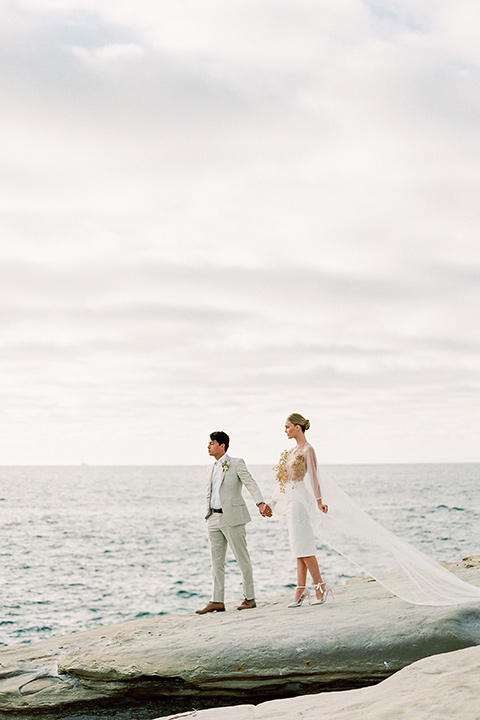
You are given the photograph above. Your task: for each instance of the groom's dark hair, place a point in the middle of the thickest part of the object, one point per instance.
(221, 437)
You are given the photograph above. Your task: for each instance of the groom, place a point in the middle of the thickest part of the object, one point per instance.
(226, 517)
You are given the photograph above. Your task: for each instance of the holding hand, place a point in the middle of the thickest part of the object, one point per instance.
(322, 506)
(265, 510)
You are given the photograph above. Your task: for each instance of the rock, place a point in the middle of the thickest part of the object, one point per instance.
(364, 635)
(468, 562)
(441, 687)
(359, 579)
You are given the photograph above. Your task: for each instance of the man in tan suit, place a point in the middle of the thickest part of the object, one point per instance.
(226, 516)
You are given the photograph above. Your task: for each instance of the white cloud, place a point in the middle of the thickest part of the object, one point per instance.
(210, 210)
(112, 53)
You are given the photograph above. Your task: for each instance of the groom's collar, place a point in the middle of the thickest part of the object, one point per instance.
(222, 459)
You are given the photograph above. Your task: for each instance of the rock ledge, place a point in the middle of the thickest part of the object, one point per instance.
(364, 635)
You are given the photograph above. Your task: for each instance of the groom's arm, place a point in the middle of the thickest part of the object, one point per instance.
(251, 485)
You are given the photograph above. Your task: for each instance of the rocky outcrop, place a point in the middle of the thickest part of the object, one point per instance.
(362, 636)
(442, 687)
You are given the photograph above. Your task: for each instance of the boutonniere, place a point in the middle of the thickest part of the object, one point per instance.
(225, 465)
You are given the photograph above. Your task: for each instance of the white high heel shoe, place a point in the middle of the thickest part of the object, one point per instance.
(304, 596)
(326, 589)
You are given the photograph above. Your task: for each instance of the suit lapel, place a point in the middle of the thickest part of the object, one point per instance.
(227, 459)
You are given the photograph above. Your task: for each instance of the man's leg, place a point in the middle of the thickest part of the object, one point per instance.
(237, 539)
(218, 550)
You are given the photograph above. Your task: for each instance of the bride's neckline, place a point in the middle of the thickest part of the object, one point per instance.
(297, 447)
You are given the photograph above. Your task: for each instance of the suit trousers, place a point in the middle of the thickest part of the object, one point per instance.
(220, 535)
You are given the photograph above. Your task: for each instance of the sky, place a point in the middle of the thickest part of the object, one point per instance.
(214, 214)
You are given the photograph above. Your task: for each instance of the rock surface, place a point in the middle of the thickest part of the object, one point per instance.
(362, 636)
(442, 687)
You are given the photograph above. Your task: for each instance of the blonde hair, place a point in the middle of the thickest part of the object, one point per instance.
(297, 419)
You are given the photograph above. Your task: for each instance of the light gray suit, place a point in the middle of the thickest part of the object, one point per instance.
(228, 527)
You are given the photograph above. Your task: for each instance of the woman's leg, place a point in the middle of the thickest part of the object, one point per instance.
(301, 577)
(311, 564)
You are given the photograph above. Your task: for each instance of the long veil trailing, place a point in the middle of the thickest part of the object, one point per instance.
(351, 532)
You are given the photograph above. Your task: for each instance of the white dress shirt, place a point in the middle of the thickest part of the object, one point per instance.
(217, 475)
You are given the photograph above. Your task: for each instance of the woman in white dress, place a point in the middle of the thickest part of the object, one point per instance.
(343, 526)
(298, 495)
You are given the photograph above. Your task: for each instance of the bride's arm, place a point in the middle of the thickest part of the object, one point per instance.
(275, 497)
(312, 470)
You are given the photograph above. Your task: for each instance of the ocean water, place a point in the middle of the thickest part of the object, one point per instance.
(87, 546)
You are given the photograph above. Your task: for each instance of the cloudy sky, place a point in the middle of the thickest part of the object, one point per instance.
(214, 213)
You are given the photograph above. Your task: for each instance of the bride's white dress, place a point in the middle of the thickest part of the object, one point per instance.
(350, 531)
(297, 498)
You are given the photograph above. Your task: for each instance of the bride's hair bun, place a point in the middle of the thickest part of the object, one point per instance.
(297, 419)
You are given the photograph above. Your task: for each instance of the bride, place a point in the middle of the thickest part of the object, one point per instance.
(319, 508)
(300, 503)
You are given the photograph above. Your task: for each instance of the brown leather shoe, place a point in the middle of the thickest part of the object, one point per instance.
(211, 607)
(247, 604)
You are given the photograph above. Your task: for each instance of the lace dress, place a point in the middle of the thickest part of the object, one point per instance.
(295, 495)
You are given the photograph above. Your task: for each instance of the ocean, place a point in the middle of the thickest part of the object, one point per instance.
(93, 545)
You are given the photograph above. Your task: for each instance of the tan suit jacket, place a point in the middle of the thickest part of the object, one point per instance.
(235, 511)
